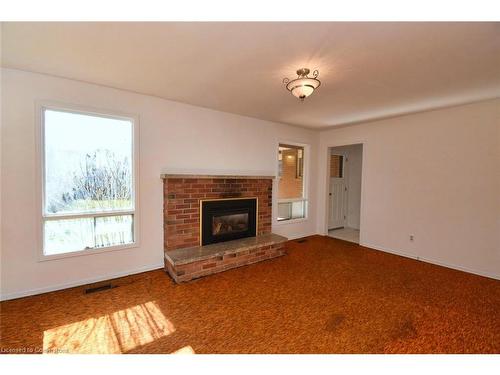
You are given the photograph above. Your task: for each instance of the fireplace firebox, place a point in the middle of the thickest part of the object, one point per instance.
(227, 219)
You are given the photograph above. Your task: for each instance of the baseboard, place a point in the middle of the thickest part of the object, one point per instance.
(9, 296)
(53, 288)
(433, 261)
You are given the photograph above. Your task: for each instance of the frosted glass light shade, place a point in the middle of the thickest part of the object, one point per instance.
(303, 87)
(302, 91)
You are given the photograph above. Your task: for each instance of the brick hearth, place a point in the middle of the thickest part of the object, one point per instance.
(189, 264)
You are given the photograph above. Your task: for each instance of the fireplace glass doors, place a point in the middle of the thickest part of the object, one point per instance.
(228, 219)
(231, 223)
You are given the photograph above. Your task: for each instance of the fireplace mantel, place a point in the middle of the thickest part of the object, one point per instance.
(165, 176)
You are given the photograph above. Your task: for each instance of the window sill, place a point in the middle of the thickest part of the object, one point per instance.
(44, 258)
(290, 221)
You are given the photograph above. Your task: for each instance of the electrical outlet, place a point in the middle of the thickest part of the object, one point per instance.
(412, 237)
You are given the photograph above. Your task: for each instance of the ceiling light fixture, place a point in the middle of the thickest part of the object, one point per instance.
(302, 86)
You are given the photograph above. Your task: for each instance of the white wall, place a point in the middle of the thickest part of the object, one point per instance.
(435, 175)
(173, 137)
(352, 173)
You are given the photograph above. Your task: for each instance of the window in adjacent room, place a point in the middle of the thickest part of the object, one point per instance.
(88, 182)
(337, 166)
(292, 203)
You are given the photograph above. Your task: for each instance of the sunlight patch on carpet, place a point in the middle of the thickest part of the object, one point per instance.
(117, 332)
(185, 350)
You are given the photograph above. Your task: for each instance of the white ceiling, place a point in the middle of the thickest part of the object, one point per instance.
(368, 70)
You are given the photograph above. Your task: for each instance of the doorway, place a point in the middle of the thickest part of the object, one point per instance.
(344, 194)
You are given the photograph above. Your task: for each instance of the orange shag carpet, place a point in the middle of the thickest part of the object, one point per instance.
(325, 296)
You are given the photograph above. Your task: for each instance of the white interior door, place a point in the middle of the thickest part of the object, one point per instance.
(338, 198)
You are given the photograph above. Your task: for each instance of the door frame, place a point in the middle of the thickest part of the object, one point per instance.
(326, 183)
(345, 178)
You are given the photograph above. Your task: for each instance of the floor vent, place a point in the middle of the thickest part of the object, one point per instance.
(301, 241)
(99, 288)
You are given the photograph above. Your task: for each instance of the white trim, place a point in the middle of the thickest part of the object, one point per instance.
(53, 288)
(326, 181)
(432, 261)
(305, 183)
(291, 221)
(97, 250)
(291, 200)
(67, 216)
(345, 181)
(40, 107)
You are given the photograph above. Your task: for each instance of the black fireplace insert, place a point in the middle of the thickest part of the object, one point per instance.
(228, 219)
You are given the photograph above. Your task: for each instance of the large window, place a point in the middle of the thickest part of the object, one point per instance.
(292, 202)
(88, 181)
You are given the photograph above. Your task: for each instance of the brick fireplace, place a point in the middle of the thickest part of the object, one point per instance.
(187, 197)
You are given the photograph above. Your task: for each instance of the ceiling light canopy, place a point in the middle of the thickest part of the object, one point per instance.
(302, 86)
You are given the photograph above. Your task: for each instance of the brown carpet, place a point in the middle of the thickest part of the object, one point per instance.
(325, 296)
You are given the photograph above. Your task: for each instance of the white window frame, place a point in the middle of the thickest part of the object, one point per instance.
(305, 182)
(41, 107)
